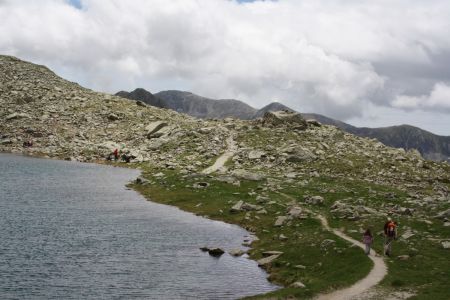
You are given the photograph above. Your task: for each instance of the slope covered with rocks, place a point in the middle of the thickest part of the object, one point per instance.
(431, 146)
(279, 171)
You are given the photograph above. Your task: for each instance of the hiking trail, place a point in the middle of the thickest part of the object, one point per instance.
(377, 273)
(221, 160)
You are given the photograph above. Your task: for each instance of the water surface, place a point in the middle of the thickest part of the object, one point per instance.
(73, 231)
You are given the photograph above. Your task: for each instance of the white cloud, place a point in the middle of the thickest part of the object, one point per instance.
(438, 100)
(321, 56)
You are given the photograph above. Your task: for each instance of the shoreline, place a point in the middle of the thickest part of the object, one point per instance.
(132, 182)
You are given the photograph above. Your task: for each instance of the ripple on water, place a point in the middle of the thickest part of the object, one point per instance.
(72, 231)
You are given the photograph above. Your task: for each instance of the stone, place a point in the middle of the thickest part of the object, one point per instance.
(280, 221)
(314, 122)
(17, 116)
(301, 267)
(277, 118)
(141, 180)
(445, 244)
(216, 252)
(407, 235)
(154, 127)
(200, 185)
(301, 155)
(113, 117)
(237, 207)
(270, 253)
(256, 154)
(443, 214)
(282, 237)
(236, 252)
(314, 200)
(267, 260)
(244, 174)
(250, 207)
(326, 243)
(295, 211)
(6, 142)
(403, 257)
(298, 285)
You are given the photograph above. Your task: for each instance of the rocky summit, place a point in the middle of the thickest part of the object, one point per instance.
(270, 175)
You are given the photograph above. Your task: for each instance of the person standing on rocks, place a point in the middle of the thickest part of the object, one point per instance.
(367, 240)
(390, 234)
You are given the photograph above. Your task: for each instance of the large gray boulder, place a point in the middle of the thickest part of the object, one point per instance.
(284, 117)
(154, 127)
(244, 174)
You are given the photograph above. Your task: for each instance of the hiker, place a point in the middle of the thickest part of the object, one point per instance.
(367, 240)
(390, 234)
(116, 154)
(126, 158)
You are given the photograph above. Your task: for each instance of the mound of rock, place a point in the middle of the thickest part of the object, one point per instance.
(284, 117)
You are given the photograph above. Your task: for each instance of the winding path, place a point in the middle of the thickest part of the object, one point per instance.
(221, 160)
(377, 273)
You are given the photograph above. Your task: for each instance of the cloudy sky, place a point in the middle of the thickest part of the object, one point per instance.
(369, 63)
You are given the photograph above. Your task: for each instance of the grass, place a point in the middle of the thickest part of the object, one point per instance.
(328, 268)
(426, 272)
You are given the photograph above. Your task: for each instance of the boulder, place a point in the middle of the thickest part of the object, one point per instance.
(267, 260)
(284, 117)
(443, 214)
(298, 285)
(141, 180)
(270, 253)
(298, 154)
(403, 257)
(244, 174)
(314, 200)
(295, 211)
(17, 116)
(113, 117)
(200, 185)
(236, 252)
(154, 127)
(250, 207)
(237, 207)
(280, 221)
(445, 244)
(256, 154)
(216, 252)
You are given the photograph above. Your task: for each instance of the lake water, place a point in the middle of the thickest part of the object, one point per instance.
(73, 231)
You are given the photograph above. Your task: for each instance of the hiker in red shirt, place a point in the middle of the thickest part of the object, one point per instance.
(390, 234)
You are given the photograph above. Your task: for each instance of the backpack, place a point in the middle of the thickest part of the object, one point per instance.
(391, 229)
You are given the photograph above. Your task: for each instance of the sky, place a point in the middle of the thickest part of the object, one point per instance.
(367, 63)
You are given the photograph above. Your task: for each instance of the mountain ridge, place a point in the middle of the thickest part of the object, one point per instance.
(430, 145)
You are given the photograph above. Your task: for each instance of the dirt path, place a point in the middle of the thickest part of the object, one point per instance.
(377, 273)
(219, 163)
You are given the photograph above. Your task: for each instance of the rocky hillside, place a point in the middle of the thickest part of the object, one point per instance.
(431, 146)
(353, 181)
(65, 120)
